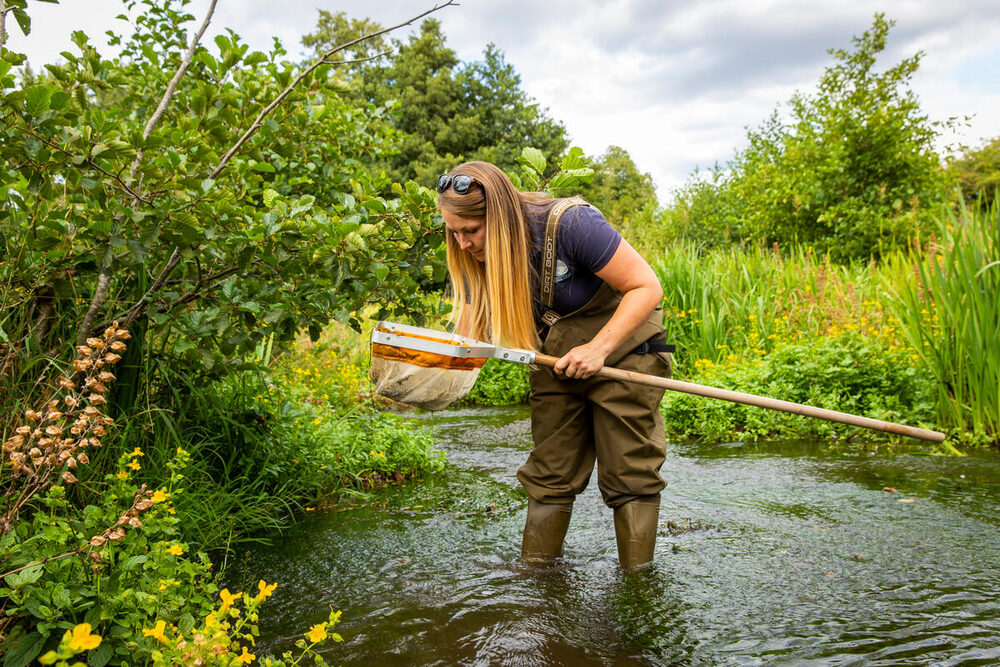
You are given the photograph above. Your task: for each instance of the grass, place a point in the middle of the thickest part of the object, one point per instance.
(948, 303)
(934, 311)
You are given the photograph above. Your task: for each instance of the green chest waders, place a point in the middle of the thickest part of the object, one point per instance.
(576, 423)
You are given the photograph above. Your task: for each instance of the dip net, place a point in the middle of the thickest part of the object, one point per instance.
(423, 379)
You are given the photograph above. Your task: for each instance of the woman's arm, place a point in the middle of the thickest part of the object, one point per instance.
(631, 275)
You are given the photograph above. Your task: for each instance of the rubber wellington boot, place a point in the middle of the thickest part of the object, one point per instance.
(635, 532)
(544, 530)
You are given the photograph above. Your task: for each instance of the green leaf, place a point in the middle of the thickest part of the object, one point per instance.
(23, 20)
(100, 656)
(134, 562)
(533, 158)
(185, 623)
(137, 249)
(574, 159)
(23, 650)
(269, 197)
(36, 99)
(263, 166)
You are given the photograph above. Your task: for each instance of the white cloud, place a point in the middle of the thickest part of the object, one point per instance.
(674, 83)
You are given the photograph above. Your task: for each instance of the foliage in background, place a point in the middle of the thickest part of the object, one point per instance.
(849, 372)
(210, 230)
(934, 311)
(978, 173)
(447, 111)
(852, 172)
(625, 196)
(731, 299)
(948, 303)
(500, 383)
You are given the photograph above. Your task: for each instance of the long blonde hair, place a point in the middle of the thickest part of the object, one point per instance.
(492, 299)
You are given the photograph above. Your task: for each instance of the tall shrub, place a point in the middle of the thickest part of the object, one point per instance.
(852, 171)
(209, 197)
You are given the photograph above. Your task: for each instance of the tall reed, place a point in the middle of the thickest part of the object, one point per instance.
(948, 303)
(731, 300)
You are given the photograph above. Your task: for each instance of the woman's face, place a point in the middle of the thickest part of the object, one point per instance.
(469, 233)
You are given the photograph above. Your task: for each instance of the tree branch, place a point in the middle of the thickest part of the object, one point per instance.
(140, 305)
(105, 276)
(103, 280)
(3, 22)
(172, 86)
(306, 72)
(358, 60)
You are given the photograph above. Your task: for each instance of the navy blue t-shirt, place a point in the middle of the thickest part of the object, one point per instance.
(585, 243)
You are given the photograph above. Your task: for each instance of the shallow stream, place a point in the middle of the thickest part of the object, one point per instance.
(775, 553)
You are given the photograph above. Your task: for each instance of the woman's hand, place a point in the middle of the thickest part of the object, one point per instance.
(581, 362)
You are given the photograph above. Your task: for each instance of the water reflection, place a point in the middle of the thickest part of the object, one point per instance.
(770, 554)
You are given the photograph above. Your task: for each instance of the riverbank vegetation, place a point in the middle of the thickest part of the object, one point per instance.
(194, 235)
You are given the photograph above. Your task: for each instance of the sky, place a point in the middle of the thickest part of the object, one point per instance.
(674, 82)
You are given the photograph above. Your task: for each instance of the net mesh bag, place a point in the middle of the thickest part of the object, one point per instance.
(423, 379)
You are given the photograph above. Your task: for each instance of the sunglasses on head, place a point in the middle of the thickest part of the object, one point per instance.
(460, 183)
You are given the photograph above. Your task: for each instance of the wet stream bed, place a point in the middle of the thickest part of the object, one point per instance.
(776, 553)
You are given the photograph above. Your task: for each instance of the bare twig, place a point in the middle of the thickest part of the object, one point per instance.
(3, 21)
(172, 86)
(140, 305)
(358, 60)
(309, 70)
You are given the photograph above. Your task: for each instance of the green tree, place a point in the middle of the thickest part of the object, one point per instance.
(978, 172)
(159, 189)
(335, 29)
(853, 171)
(446, 110)
(619, 189)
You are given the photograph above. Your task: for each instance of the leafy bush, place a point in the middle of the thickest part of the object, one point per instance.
(500, 383)
(978, 173)
(849, 372)
(853, 172)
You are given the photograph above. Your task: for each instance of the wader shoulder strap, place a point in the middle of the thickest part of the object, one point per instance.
(548, 286)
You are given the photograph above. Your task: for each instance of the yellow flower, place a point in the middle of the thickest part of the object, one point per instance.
(171, 510)
(156, 631)
(121, 475)
(246, 658)
(317, 633)
(175, 549)
(80, 639)
(210, 621)
(159, 496)
(265, 589)
(136, 452)
(134, 465)
(227, 600)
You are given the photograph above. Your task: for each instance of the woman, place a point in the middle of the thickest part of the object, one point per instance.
(539, 273)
